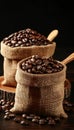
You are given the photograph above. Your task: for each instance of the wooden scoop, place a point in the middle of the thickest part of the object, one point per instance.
(52, 35)
(68, 59)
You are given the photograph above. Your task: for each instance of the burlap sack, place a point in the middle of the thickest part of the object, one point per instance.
(13, 55)
(40, 93)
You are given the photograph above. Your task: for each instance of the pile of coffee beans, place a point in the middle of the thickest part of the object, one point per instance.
(38, 65)
(26, 119)
(26, 37)
(5, 105)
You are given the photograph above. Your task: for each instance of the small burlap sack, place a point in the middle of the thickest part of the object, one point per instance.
(40, 93)
(13, 55)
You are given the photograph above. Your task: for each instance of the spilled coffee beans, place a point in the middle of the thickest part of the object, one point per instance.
(26, 119)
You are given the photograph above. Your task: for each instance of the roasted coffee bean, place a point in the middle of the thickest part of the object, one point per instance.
(32, 60)
(13, 41)
(27, 37)
(7, 112)
(29, 117)
(57, 119)
(6, 117)
(69, 104)
(25, 123)
(68, 107)
(36, 117)
(35, 56)
(3, 103)
(48, 118)
(9, 44)
(24, 115)
(38, 65)
(32, 115)
(27, 66)
(65, 102)
(38, 62)
(51, 122)
(33, 70)
(17, 119)
(12, 104)
(4, 107)
(35, 120)
(11, 115)
(24, 40)
(29, 71)
(42, 121)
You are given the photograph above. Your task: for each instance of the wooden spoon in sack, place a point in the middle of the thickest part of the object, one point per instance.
(68, 59)
(52, 35)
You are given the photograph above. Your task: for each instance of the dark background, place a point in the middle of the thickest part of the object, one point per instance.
(43, 16)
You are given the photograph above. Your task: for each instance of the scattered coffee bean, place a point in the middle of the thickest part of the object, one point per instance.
(6, 117)
(11, 115)
(42, 121)
(2, 101)
(17, 119)
(7, 112)
(24, 115)
(23, 122)
(11, 104)
(48, 118)
(29, 117)
(69, 104)
(35, 120)
(38, 65)
(68, 107)
(36, 117)
(26, 37)
(25, 119)
(51, 122)
(57, 119)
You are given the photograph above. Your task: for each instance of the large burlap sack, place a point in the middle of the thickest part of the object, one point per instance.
(40, 93)
(13, 55)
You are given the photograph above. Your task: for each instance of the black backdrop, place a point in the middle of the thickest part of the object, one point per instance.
(42, 15)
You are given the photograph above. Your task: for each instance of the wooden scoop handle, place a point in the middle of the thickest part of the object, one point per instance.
(52, 35)
(68, 59)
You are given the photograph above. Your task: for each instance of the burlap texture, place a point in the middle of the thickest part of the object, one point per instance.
(9, 72)
(40, 93)
(23, 52)
(13, 55)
